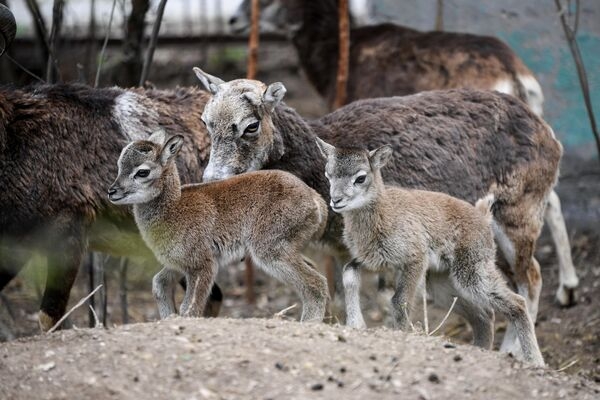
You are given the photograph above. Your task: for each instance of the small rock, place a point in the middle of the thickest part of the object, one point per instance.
(280, 366)
(449, 345)
(433, 378)
(373, 357)
(342, 370)
(341, 339)
(317, 386)
(47, 366)
(457, 358)
(340, 384)
(136, 379)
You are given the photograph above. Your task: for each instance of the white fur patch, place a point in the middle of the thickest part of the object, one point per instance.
(504, 86)
(129, 114)
(535, 96)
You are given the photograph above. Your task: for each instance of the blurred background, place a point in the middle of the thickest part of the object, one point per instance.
(196, 33)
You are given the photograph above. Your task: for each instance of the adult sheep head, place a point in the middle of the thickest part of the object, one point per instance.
(239, 121)
(8, 28)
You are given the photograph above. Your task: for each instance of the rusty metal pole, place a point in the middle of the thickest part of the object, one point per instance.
(251, 74)
(253, 41)
(343, 54)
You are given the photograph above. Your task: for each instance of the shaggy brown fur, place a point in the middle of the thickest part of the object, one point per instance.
(58, 150)
(194, 229)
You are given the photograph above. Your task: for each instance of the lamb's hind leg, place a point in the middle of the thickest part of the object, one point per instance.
(294, 270)
(567, 275)
(514, 308)
(164, 284)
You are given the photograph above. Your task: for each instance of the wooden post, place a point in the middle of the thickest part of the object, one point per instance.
(251, 74)
(253, 41)
(439, 18)
(343, 54)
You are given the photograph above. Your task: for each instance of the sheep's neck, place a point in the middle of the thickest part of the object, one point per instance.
(169, 196)
(317, 44)
(368, 216)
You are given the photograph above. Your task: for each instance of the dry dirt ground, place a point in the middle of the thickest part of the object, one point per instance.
(266, 359)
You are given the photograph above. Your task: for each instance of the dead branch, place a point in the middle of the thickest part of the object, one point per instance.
(570, 34)
(343, 54)
(40, 27)
(57, 18)
(439, 18)
(101, 58)
(123, 289)
(153, 39)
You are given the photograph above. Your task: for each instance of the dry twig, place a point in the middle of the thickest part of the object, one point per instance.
(101, 58)
(153, 39)
(76, 306)
(445, 316)
(282, 313)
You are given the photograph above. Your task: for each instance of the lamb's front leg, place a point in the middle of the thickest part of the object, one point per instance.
(407, 281)
(351, 279)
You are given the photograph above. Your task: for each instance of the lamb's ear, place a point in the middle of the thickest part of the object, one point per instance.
(171, 148)
(379, 157)
(325, 148)
(211, 83)
(159, 137)
(273, 95)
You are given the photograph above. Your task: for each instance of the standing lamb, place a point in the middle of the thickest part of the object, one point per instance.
(415, 233)
(392, 60)
(194, 229)
(459, 142)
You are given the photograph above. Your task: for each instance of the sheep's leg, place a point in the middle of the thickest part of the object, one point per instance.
(64, 260)
(407, 281)
(568, 280)
(213, 305)
(199, 284)
(164, 284)
(11, 262)
(480, 317)
(351, 279)
(296, 271)
(514, 308)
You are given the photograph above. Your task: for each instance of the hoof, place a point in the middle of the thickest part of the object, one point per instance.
(45, 321)
(566, 296)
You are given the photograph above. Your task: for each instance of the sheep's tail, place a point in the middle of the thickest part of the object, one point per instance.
(484, 206)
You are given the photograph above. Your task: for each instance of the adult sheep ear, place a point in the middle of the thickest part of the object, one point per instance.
(171, 148)
(273, 95)
(379, 157)
(159, 137)
(325, 148)
(211, 83)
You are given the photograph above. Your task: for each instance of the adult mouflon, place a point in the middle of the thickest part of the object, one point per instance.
(194, 229)
(415, 233)
(459, 142)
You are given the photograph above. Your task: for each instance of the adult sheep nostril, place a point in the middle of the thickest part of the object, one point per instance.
(111, 192)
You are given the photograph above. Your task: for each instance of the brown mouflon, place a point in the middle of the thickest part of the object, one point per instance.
(194, 229)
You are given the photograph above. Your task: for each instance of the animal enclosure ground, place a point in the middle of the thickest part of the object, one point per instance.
(266, 359)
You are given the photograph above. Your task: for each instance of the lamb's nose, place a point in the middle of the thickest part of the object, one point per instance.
(112, 191)
(232, 20)
(336, 200)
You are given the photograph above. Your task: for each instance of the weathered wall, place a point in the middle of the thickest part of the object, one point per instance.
(533, 30)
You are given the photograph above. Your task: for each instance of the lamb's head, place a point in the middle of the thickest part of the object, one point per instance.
(354, 175)
(238, 118)
(143, 165)
(275, 16)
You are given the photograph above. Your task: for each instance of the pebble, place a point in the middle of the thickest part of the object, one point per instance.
(433, 378)
(317, 386)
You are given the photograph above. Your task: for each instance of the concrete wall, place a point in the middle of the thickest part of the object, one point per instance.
(532, 28)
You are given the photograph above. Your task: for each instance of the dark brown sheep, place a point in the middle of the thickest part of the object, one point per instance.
(59, 146)
(392, 60)
(462, 142)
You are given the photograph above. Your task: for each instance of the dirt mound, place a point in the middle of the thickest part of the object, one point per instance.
(266, 359)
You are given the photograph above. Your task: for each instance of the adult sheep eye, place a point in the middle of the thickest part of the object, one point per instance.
(360, 179)
(142, 173)
(252, 127)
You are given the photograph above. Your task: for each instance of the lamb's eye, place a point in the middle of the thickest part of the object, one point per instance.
(252, 127)
(142, 173)
(359, 180)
